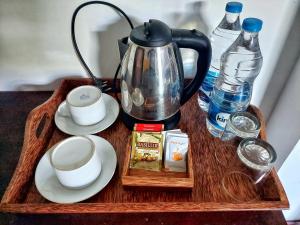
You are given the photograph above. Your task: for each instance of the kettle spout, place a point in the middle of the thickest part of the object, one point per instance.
(123, 46)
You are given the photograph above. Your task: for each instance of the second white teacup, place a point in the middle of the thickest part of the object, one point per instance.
(76, 162)
(86, 105)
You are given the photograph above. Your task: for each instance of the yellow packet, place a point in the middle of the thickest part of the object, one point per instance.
(146, 152)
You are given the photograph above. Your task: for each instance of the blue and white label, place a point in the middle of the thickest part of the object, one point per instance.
(221, 119)
(207, 93)
(217, 117)
(208, 84)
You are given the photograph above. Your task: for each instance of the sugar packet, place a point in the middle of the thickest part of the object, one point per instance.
(175, 151)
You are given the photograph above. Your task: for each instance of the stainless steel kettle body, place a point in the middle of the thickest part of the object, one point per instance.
(151, 83)
(152, 79)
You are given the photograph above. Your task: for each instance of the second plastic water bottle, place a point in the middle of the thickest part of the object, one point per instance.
(240, 65)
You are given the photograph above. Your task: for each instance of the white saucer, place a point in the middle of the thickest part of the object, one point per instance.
(50, 188)
(67, 125)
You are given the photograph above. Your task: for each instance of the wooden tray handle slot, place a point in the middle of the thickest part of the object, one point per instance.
(43, 126)
(38, 130)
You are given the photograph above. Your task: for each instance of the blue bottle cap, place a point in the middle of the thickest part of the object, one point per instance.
(234, 7)
(252, 24)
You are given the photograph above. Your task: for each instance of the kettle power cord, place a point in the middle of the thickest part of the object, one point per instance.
(97, 82)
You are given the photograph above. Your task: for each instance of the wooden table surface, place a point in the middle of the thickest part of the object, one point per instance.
(14, 108)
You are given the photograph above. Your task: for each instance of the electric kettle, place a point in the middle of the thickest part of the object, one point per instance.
(152, 78)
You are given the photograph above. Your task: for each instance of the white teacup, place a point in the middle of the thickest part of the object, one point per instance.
(86, 105)
(76, 162)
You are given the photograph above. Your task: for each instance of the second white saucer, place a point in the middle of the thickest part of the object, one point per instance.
(50, 188)
(67, 125)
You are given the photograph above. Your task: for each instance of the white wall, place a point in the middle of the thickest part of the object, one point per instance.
(291, 184)
(284, 124)
(284, 67)
(36, 50)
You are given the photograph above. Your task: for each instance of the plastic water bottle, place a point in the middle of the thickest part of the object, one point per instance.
(222, 37)
(240, 65)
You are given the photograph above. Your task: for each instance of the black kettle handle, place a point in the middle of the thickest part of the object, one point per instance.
(198, 41)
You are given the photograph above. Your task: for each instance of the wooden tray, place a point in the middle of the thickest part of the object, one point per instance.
(21, 195)
(152, 180)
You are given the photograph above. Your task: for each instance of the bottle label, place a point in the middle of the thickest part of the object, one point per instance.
(217, 117)
(206, 93)
(208, 83)
(221, 119)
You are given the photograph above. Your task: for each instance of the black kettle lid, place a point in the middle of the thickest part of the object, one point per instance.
(152, 34)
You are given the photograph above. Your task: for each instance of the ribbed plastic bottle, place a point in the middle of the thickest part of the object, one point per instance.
(240, 65)
(221, 38)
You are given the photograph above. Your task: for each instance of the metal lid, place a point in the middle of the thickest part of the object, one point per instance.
(152, 34)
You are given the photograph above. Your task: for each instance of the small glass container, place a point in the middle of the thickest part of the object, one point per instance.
(239, 126)
(258, 156)
(242, 125)
(255, 159)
